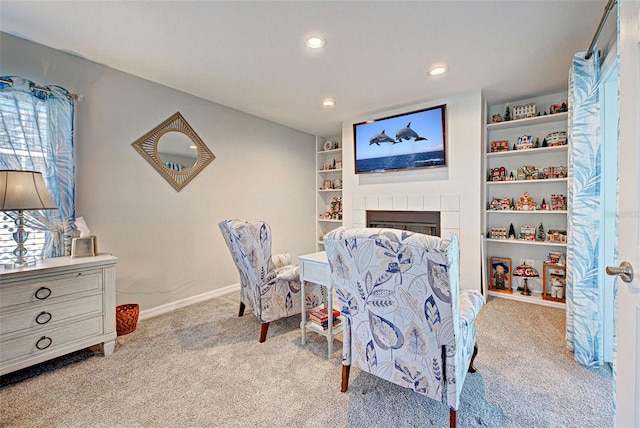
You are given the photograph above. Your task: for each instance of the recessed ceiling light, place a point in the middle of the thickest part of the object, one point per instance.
(315, 42)
(328, 103)
(437, 71)
(192, 147)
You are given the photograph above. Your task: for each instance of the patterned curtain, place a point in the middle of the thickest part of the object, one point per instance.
(36, 134)
(584, 293)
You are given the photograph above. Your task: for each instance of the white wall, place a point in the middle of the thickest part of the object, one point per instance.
(454, 190)
(168, 243)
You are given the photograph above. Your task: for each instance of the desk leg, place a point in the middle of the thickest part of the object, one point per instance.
(303, 312)
(330, 320)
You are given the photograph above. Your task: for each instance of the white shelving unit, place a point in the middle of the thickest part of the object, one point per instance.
(328, 185)
(518, 250)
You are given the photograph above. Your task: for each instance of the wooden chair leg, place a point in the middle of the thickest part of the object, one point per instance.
(241, 310)
(472, 369)
(263, 331)
(452, 418)
(345, 378)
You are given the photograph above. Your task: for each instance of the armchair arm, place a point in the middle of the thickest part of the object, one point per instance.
(471, 302)
(280, 260)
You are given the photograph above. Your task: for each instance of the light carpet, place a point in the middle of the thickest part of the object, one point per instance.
(202, 366)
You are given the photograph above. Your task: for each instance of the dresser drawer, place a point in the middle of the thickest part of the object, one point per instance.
(48, 288)
(49, 340)
(42, 316)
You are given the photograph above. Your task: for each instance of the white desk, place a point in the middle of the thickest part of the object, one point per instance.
(314, 268)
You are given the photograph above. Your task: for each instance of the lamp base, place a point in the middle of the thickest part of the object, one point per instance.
(526, 291)
(18, 265)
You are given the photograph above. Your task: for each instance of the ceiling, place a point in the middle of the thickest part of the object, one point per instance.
(251, 55)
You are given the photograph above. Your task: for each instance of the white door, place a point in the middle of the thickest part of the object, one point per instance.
(628, 356)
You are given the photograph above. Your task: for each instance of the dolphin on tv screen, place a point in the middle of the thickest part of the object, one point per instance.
(381, 138)
(407, 133)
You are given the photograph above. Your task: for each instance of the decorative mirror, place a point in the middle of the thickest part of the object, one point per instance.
(174, 149)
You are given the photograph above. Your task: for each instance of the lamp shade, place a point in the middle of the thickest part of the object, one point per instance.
(525, 271)
(24, 190)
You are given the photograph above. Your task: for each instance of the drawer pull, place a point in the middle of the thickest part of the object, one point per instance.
(42, 293)
(46, 340)
(42, 317)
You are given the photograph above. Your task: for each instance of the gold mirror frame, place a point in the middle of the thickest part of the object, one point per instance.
(147, 146)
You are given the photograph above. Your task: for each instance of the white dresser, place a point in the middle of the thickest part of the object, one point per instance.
(58, 306)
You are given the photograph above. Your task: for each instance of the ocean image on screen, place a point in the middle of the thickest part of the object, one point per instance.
(407, 141)
(410, 161)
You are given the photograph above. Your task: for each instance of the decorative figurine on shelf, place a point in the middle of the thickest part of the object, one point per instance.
(543, 205)
(507, 114)
(524, 142)
(544, 143)
(541, 236)
(557, 287)
(500, 204)
(499, 146)
(537, 143)
(497, 118)
(500, 275)
(498, 233)
(526, 203)
(512, 232)
(528, 233)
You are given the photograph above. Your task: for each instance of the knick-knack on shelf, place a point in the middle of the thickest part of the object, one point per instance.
(507, 114)
(512, 232)
(537, 143)
(544, 143)
(541, 236)
(543, 205)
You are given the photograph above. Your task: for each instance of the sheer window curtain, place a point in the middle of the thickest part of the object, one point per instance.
(36, 134)
(585, 298)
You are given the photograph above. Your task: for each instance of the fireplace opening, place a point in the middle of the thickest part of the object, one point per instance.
(425, 222)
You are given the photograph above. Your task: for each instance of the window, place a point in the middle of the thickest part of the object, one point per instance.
(20, 128)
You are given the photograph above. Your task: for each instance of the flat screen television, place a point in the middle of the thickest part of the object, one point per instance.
(405, 141)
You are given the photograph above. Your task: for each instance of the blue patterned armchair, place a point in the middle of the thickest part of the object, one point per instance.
(405, 318)
(269, 285)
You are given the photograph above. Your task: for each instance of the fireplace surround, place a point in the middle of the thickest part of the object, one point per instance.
(426, 222)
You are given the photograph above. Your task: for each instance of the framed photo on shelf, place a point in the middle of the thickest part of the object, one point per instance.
(554, 282)
(500, 274)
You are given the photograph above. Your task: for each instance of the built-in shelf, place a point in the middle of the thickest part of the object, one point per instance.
(538, 120)
(516, 252)
(537, 151)
(539, 181)
(523, 242)
(526, 212)
(535, 298)
(328, 186)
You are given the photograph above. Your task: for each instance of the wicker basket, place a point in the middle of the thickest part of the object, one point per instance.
(127, 318)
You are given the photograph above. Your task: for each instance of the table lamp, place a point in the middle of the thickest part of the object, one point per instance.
(526, 272)
(20, 191)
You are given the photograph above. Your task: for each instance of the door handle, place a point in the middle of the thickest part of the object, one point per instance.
(625, 271)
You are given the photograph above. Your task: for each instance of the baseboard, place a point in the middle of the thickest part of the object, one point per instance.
(163, 309)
